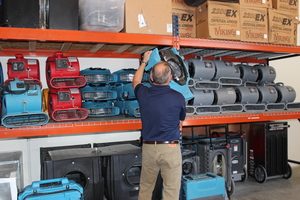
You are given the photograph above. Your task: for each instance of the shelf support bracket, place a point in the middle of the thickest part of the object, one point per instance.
(96, 48)
(66, 46)
(32, 46)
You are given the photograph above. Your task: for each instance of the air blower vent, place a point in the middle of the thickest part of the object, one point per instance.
(65, 105)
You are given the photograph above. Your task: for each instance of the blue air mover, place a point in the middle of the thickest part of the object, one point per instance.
(98, 93)
(204, 186)
(97, 76)
(52, 189)
(125, 91)
(178, 67)
(22, 104)
(101, 109)
(124, 75)
(130, 108)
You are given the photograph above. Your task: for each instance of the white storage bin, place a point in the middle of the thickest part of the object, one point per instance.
(100, 15)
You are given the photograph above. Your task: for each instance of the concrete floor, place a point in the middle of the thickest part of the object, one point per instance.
(272, 189)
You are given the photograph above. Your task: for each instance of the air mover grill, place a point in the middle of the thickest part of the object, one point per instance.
(63, 72)
(98, 93)
(101, 109)
(97, 76)
(65, 105)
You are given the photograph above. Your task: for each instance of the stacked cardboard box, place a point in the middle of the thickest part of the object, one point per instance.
(186, 18)
(218, 20)
(283, 23)
(254, 20)
(254, 24)
(148, 17)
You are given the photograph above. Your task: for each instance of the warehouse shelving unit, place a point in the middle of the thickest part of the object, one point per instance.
(42, 42)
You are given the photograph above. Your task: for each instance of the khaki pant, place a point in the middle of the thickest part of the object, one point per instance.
(167, 159)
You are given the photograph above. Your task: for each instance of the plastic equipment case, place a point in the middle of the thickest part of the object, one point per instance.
(121, 170)
(204, 186)
(20, 13)
(58, 189)
(268, 153)
(79, 164)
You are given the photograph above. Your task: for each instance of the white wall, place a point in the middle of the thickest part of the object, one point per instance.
(287, 71)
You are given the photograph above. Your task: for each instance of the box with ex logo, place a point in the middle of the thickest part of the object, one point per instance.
(218, 20)
(282, 27)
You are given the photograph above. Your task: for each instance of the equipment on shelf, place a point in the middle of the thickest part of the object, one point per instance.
(63, 72)
(121, 171)
(227, 73)
(65, 105)
(226, 98)
(269, 95)
(81, 165)
(22, 104)
(125, 91)
(96, 76)
(286, 94)
(190, 162)
(201, 69)
(124, 75)
(23, 69)
(203, 186)
(249, 96)
(59, 188)
(62, 14)
(266, 74)
(268, 151)
(248, 73)
(101, 109)
(98, 93)
(129, 107)
(19, 13)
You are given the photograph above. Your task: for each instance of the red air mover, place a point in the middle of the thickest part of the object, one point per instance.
(22, 68)
(63, 72)
(65, 105)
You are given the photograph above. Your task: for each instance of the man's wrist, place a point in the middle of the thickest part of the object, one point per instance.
(144, 62)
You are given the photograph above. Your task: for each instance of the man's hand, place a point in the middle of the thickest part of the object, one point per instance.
(146, 57)
(138, 76)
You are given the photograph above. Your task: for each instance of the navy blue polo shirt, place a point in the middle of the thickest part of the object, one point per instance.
(161, 109)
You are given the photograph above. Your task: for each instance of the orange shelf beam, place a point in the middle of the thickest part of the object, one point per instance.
(28, 34)
(89, 127)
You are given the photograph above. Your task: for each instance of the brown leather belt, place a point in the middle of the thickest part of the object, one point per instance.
(161, 142)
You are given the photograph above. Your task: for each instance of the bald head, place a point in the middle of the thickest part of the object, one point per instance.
(161, 73)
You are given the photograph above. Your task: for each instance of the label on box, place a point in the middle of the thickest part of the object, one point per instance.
(169, 28)
(142, 21)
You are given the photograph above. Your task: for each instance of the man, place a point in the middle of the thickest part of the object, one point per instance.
(162, 112)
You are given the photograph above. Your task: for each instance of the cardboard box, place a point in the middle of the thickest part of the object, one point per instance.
(186, 18)
(254, 24)
(257, 3)
(148, 17)
(218, 20)
(282, 27)
(290, 6)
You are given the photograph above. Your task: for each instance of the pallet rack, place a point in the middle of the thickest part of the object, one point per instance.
(42, 42)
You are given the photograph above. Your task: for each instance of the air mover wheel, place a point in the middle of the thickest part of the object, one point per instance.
(288, 173)
(230, 189)
(260, 174)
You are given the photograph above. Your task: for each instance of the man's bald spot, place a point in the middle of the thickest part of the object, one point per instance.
(161, 73)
